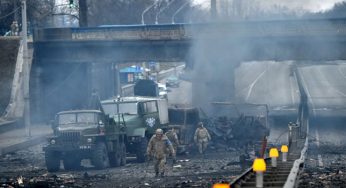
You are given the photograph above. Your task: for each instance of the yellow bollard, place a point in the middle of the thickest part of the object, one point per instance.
(259, 166)
(221, 185)
(274, 154)
(284, 151)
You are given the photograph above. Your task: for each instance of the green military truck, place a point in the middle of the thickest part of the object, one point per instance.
(86, 134)
(142, 115)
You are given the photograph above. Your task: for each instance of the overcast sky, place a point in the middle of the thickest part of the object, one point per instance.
(310, 5)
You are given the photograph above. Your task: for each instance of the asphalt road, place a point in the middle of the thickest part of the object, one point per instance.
(269, 82)
(326, 88)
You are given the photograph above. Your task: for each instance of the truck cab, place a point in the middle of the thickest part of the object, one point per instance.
(142, 116)
(85, 134)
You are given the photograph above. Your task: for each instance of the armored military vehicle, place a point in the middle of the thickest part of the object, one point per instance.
(86, 134)
(142, 115)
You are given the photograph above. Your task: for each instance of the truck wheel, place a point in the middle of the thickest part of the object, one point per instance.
(100, 156)
(71, 163)
(123, 154)
(52, 161)
(142, 150)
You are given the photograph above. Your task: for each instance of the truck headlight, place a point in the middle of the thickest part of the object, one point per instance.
(52, 141)
(89, 140)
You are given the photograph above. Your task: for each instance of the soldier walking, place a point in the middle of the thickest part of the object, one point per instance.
(173, 137)
(157, 147)
(201, 138)
(14, 28)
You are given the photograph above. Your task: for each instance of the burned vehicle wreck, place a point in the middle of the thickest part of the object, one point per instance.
(238, 126)
(85, 134)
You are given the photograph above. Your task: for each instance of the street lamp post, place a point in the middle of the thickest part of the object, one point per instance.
(176, 12)
(146, 10)
(26, 75)
(157, 15)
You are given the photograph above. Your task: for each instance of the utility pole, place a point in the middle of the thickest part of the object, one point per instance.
(213, 9)
(83, 13)
(26, 75)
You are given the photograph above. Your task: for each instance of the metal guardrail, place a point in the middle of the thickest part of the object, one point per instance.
(291, 181)
(295, 171)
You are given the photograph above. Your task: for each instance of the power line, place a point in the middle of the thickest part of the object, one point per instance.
(15, 10)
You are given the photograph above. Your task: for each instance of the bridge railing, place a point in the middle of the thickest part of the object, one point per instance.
(292, 180)
(303, 122)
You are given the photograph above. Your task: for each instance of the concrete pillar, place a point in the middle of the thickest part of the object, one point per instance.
(83, 13)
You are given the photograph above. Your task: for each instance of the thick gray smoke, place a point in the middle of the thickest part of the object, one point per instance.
(219, 50)
(214, 64)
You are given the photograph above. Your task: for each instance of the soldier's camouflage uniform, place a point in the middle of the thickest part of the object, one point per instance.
(173, 137)
(157, 148)
(201, 138)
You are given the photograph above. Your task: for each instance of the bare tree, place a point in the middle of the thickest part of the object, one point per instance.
(37, 12)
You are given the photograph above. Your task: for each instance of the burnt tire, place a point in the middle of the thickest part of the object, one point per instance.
(100, 156)
(141, 149)
(52, 161)
(123, 154)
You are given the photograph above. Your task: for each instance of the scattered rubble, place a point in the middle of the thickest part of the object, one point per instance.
(27, 169)
(190, 170)
(333, 171)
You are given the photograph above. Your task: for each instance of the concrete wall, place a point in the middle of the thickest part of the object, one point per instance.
(8, 56)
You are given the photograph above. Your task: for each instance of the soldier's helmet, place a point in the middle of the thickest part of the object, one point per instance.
(159, 131)
(200, 124)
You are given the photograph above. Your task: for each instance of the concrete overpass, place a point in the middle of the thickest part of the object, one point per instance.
(263, 40)
(69, 62)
